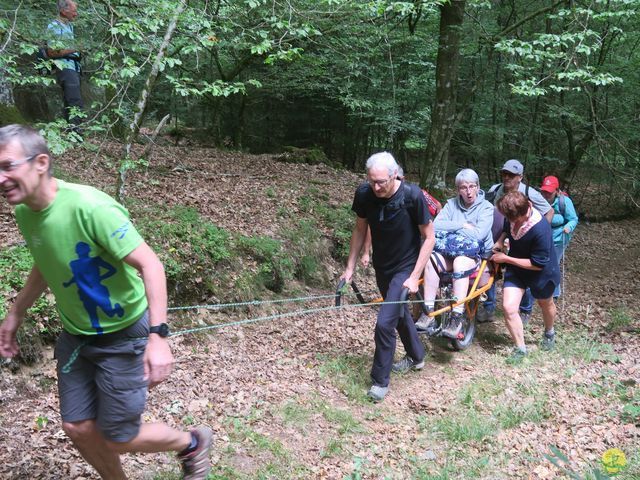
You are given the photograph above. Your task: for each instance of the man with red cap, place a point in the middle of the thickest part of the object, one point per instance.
(565, 218)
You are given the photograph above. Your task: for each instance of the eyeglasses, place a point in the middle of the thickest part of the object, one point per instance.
(380, 183)
(11, 165)
(468, 188)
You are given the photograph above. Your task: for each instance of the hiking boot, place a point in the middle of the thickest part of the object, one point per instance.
(548, 342)
(196, 464)
(516, 357)
(377, 393)
(406, 364)
(425, 323)
(455, 325)
(483, 315)
(525, 317)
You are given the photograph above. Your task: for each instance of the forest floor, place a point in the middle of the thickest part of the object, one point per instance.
(286, 397)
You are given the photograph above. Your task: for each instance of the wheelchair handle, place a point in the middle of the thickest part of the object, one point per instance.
(404, 295)
(339, 288)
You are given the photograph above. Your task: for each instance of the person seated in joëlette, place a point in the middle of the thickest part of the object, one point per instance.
(463, 234)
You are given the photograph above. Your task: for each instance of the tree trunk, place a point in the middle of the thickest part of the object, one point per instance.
(6, 94)
(443, 113)
(141, 106)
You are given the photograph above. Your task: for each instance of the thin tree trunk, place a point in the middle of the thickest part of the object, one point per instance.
(141, 106)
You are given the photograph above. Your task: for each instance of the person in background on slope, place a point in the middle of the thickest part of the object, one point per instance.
(565, 218)
(66, 58)
(111, 295)
(402, 237)
(463, 236)
(512, 173)
(529, 264)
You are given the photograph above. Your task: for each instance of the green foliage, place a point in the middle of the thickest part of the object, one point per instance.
(350, 374)
(9, 115)
(619, 319)
(190, 248)
(561, 461)
(307, 248)
(275, 267)
(41, 324)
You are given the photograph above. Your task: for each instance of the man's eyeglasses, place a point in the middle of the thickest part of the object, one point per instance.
(467, 188)
(379, 183)
(11, 165)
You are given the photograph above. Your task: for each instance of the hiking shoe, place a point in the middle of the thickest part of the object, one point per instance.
(525, 317)
(406, 364)
(516, 357)
(196, 464)
(425, 323)
(455, 325)
(377, 393)
(483, 315)
(548, 342)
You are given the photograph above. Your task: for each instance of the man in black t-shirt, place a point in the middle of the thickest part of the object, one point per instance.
(403, 237)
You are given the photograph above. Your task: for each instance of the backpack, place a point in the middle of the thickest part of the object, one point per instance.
(490, 195)
(434, 205)
(561, 202)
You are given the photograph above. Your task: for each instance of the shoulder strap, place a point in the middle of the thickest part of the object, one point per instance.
(561, 203)
(490, 196)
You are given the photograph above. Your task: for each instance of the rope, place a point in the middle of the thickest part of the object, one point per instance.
(287, 314)
(219, 306)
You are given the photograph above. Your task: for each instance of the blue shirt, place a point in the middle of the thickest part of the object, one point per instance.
(61, 37)
(560, 221)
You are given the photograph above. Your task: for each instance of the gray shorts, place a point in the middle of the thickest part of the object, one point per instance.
(105, 382)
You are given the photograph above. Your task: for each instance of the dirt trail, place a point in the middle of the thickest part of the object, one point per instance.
(286, 397)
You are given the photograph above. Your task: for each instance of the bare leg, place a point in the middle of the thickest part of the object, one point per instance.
(431, 282)
(93, 447)
(154, 437)
(461, 285)
(549, 310)
(511, 297)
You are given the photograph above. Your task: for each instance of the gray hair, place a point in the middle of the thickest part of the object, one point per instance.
(383, 160)
(30, 140)
(63, 4)
(466, 175)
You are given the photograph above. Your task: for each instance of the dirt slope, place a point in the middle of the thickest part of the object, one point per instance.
(286, 396)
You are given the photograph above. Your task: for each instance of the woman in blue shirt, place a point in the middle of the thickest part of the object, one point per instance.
(530, 263)
(565, 218)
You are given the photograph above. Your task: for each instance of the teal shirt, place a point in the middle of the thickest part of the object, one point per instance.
(78, 242)
(559, 222)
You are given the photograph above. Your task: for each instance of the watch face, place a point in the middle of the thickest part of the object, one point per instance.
(162, 330)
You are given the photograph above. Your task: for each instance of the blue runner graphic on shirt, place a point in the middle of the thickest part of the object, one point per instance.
(87, 275)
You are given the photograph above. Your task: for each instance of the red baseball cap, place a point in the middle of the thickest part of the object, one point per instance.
(550, 184)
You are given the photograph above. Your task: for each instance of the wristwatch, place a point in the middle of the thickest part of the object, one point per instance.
(162, 330)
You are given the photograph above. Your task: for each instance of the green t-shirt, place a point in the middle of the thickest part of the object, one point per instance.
(78, 243)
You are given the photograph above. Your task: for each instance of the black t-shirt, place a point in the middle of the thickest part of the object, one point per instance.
(394, 224)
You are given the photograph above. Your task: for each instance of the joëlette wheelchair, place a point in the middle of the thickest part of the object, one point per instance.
(480, 280)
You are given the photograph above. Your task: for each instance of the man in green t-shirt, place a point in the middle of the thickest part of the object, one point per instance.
(110, 291)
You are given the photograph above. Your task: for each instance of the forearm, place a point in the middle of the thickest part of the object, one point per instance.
(357, 241)
(423, 257)
(522, 263)
(147, 263)
(155, 286)
(60, 53)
